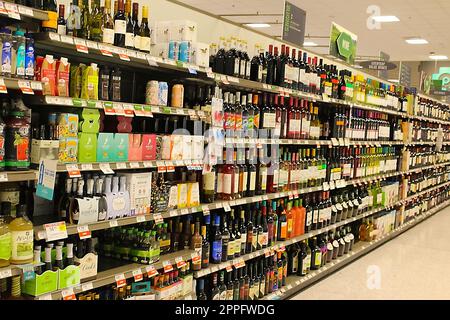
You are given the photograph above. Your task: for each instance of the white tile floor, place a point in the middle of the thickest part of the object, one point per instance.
(415, 265)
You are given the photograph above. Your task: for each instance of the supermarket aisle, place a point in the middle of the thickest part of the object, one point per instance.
(411, 266)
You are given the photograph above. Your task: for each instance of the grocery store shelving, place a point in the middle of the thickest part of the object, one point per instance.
(119, 108)
(127, 165)
(10, 271)
(109, 276)
(19, 12)
(295, 284)
(279, 244)
(333, 142)
(418, 194)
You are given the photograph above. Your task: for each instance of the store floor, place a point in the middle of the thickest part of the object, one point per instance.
(412, 266)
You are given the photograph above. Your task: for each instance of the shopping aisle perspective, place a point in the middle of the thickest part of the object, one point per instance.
(396, 269)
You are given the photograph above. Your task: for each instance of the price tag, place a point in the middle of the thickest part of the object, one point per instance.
(180, 262)
(170, 168)
(26, 11)
(68, 294)
(118, 109)
(226, 207)
(148, 164)
(332, 185)
(81, 45)
(25, 87)
(151, 271)
(296, 194)
(205, 211)
(210, 75)
(120, 280)
(167, 266)
(121, 165)
(151, 61)
(195, 257)
(138, 110)
(334, 142)
(161, 169)
(140, 218)
(13, 12)
(229, 268)
(341, 183)
(66, 39)
(87, 286)
(192, 71)
(83, 232)
(291, 195)
(137, 274)
(179, 111)
(5, 273)
(105, 51)
(134, 165)
(128, 109)
(124, 57)
(3, 86)
(113, 223)
(158, 218)
(3, 177)
(173, 213)
(86, 167)
(73, 171)
(108, 108)
(55, 231)
(105, 168)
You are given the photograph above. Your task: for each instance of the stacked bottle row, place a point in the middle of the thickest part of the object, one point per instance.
(429, 178)
(295, 70)
(429, 108)
(424, 131)
(427, 155)
(426, 202)
(263, 276)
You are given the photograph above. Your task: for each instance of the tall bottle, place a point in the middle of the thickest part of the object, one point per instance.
(136, 34)
(196, 244)
(129, 35)
(96, 32)
(85, 20)
(108, 24)
(144, 31)
(61, 21)
(120, 25)
(216, 254)
(5, 240)
(22, 237)
(50, 25)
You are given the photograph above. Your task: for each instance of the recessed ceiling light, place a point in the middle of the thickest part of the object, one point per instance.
(386, 19)
(309, 44)
(357, 66)
(416, 41)
(258, 25)
(438, 57)
(394, 80)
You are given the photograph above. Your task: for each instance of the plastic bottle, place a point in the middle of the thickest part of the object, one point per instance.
(29, 57)
(17, 140)
(19, 37)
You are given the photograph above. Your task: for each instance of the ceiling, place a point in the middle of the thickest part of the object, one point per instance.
(418, 18)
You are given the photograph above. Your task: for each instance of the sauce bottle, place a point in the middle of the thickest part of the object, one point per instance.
(17, 140)
(22, 237)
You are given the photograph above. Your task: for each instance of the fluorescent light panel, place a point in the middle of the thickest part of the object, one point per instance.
(386, 19)
(394, 80)
(416, 41)
(258, 25)
(309, 44)
(438, 57)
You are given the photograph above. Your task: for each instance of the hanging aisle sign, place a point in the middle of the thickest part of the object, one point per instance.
(343, 43)
(294, 22)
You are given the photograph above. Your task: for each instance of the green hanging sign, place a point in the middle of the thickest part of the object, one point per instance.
(343, 43)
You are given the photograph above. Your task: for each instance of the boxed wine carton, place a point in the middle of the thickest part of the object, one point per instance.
(138, 186)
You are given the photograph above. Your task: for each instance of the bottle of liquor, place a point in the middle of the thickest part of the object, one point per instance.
(225, 239)
(251, 176)
(205, 242)
(249, 233)
(243, 232)
(50, 25)
(256, 68)
(209, 185)
(261, 173)
(136, 28)
(120, 25)
(265, 229)
(215, 291)
(216, 253)
(196, 244)
(201, 290)
(96, 32)
(129, 35)
(219, 59)
(74, 208)
(144, 33)
(229, 291)
(108, 24)
(282, 222)
(270, 66)
(59, 264)
(85, 20)
(48, 259)
(61, 21)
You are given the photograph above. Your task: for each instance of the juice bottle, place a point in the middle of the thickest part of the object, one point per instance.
(17, 141)
(22, 237)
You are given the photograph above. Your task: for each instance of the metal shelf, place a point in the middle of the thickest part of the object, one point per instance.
(125, 108)
(10, 271)
(18, 84)
(16, 176)
(334, 142)
(295, 284)
(108, 277)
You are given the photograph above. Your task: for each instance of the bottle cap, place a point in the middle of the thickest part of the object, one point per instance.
(21, 210)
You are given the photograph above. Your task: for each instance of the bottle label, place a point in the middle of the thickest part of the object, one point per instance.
(283, 230)
(120, 27)
(227, 183)
(223, 295)
(254, 241)
(309, 218)
(244, 180)
(209, 181)
(108, 36)
(229, 295)
(236, 66)
(229, 122)
(216, 296)
(62, 29)
(260, 73)
(294, 262)
(318, 260)
(144, 44)
(5, 246)
(236, 183)
(137, 41)
(217, 251)
(243, 68)
(22, 245)
(263, 177)
(252, 185)
(129, 39)
(238, 121)
(269, 121)
(307, 262)
(262, 239)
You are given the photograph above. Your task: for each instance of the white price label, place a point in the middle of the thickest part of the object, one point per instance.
(87, 286)
(113, 223)
(86, 167)
(106, 168)
(137, 274)
(55, 231)
(121, 165)
(226, 207)
(5, 273)
(148, 164)
(140, 219)
(68, 294)
(66, 39)
(73, 171)
(3, 177)
(120, 280)
(3, 86)
(134, 165)
(84, 232)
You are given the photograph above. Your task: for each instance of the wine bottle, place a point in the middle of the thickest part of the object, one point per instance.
(48, 259)
(120, 25)
(95, 26)
(144, 31)
(74, 208)
(108, 24)
(61, 21)
(59, 260)
(69, 254)
(129, 36)
(136, 36)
